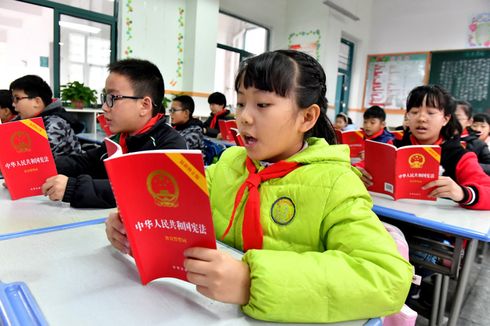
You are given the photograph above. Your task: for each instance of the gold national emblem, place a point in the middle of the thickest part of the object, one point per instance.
(163, 188)
(21, 141)
(283, 211)
(416, 161)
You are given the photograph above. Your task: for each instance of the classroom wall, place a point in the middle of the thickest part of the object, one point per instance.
(419, 25)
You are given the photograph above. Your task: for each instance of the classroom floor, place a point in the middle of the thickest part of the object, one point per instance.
(475, 311)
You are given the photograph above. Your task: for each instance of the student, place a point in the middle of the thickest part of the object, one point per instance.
(217, 104)
(374, 125)
(470, 137)
(481, 125)
(32, 97)
(7, 110)
(313, 247)
(431, 119)
(343, 122)
(181, 110)
(131, 108)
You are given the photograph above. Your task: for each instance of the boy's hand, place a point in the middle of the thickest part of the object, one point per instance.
(445, 187)
(217, 275)
(116, 233)
(366, 178)
(54, 187)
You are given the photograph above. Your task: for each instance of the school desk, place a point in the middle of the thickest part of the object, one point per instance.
(91, 137)
(77, 278)
(39, 214)
(442, 216)
(223, 142)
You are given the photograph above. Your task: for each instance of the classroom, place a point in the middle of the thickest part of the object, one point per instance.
(370, 53)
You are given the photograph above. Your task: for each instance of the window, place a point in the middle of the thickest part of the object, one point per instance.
(344, 75)
(237, 40)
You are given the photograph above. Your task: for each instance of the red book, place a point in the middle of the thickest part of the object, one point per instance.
(225, 129)
(163, 200)
(103, 124)
(236, 137)
(401, 172)
(26, 160)
(353, 138)
(398, 134)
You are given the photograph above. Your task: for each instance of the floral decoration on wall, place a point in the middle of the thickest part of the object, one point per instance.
(479, 31)
(308, 42)
(180, 48)
(129, 27)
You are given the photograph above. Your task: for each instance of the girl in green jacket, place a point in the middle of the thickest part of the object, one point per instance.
(313, 249)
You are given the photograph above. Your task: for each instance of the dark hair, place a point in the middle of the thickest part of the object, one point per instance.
(482, 117)
(33, 86)
(187, 103)
(375, 112)
(6, 100)
(343, 116)
(437, 97)
(145, 79)
(292, 74)
(467, 108)
(217, 98)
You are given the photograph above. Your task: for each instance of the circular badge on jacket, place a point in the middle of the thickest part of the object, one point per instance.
(283, 211)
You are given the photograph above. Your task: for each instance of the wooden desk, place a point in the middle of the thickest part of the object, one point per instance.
(442, 216)
(38, 214)
(77, 278)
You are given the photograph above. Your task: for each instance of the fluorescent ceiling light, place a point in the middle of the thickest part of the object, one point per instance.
(338, 8)
(80, 27)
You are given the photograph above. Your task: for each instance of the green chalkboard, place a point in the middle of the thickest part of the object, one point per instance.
(465, 74)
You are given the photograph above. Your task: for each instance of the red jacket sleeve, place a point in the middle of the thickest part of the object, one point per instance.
(476, 182)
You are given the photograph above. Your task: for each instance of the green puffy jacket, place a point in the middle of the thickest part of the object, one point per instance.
(326, 257)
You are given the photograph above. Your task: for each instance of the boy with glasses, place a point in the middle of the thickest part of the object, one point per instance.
(32, 97)
(132, 105)
(190, 128)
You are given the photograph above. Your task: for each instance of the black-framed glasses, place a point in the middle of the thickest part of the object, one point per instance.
(16, 99)
(175, 110)
(109, 99)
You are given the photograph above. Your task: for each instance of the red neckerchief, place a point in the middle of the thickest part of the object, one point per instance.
(464, 133)
(379, 133)
(146, 127)
(252, 229)
(414, 141)
(215, 118)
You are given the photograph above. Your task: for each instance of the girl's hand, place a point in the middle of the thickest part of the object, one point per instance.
(366, 178)
(217, 275)
(114, 228)
(445, 187)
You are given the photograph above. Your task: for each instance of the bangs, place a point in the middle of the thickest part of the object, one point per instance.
(270, 72)
(426, 96)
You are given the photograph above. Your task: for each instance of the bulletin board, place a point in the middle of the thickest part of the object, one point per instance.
(390, 77)
(465, 74)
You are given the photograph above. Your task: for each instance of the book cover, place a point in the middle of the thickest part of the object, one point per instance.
(353, 138)
(163, 200)
(103, 124)
(401, 172)
(26, 160)
(224, 129)
(236, 137)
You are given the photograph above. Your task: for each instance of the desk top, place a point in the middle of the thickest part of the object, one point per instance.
(24, 215)
(77, 278)
(441, 215)
(91, 137)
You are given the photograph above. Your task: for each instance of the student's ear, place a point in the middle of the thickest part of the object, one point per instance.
(309, 117)
(38, 103)
(383, 124)
(146, 106)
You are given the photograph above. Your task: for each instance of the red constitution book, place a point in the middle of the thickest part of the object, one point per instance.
(26, 160)
(225, 129)
(353, 138)
(104, 125)
(401, 172)
(164, 204)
